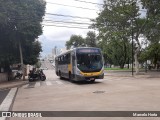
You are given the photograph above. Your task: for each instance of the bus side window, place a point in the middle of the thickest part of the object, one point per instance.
(59, 60)
(73, 60)
(64, 59)
(68, 58)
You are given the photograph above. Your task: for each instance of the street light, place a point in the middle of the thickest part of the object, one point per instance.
(132, 40)
(132, 43)
(146, 60)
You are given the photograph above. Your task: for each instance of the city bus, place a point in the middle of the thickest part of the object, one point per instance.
(80, 64)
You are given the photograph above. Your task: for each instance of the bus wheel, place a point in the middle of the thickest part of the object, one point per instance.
(70, 77)
(60, 75)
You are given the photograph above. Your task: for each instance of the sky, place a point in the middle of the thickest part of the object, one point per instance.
(57, 36)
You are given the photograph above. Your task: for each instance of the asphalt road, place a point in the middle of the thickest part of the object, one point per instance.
(47, 65)
(3, 94)
(109, 94)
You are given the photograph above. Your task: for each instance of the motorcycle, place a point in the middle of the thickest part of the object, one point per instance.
(39, 75)
(18, 75)
(42, 75)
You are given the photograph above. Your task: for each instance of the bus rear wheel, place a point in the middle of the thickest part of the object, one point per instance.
(60, 75)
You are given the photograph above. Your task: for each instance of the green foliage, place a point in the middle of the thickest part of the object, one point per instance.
(152, 52)
(75, 41)
(20, 20)
(31, 52)
(118, 23)
(91, 40)
(79, 41)
(38, 64)
(152, 31)
(153, 14)
(118, 52)
(114, 26)
(120, 20)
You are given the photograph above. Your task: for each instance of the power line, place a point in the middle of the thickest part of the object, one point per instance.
(71, 6)
(89, 2)
(65, 26)
(50, 21)
(69, 16)
(70, 20)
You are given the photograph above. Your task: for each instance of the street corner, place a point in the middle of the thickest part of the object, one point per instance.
(8, 100)
(12, 84)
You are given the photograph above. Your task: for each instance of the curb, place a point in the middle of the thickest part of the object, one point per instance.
(8, 102)
(142, 74)
(119, 75)
(13, 86)
(135, 76)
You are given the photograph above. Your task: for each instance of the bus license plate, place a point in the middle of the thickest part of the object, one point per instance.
(91, 78)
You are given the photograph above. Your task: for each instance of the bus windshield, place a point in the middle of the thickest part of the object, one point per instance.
(89, 61)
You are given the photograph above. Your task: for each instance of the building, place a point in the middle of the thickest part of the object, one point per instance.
(56, 51)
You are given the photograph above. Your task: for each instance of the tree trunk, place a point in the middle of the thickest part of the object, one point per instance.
(128, 63)
(122, 66)
(137, 51)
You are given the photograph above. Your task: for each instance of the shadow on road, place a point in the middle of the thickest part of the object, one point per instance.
(81, 82)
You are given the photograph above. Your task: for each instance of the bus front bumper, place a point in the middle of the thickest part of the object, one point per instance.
(83, 78)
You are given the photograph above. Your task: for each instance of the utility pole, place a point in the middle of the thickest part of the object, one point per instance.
(132, 47)
(132, 41)
(146, 60)
(21, 55)
(21, 58)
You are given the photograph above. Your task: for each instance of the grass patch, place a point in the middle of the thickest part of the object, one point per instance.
(117, 69)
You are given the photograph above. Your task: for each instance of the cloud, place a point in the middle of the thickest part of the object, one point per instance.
(59, 35)
(48, 45)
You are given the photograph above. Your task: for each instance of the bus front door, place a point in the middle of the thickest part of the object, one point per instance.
(73, 67)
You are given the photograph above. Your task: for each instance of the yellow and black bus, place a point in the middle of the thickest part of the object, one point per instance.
(82, 63)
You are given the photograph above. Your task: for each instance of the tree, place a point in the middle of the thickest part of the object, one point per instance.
(152, 52)
(152, 30)
(32, 52)
(121, 19)
(114, 26)
(75, 41)
(91, 40)
(20, 24)
(117, 52)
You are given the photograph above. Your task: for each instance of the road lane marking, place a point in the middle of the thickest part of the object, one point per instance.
(25, 86)
(37, 84)
(59, 82)
(42, 83)
(31, 85)
(48, 83)
(7, 102)
(100, 80)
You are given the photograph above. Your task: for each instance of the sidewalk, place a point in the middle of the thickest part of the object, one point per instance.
(12, 84)
(143, 74)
